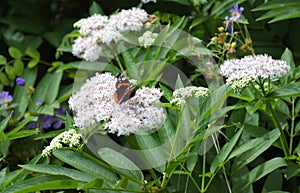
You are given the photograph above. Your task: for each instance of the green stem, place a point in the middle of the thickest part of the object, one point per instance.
(282, 138)
(203, 168)
(168, 176)
(292, 126)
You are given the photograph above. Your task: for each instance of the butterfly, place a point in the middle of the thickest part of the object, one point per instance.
(125, 90)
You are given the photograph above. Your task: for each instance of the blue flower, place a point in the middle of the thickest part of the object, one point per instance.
(5, 98)
(20, 81)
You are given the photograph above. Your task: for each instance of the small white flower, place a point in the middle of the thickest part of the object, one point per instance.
(130, 20)
(181, 95)
(147, 39)
(240, 72)
(68, 138)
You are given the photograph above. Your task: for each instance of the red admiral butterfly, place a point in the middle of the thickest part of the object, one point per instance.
(125, 90)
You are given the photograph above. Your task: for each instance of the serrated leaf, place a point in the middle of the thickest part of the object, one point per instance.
(2, 60)
(33, 53)
(18, 67)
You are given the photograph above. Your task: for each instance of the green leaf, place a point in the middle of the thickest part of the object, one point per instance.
(4, 79)
(21, 94)
(59, 170)
(4, 146)
(292, 170)
(10, 72)
(250, 150)
(95, 8)
(14, 52)
(92, 184)
(8, 178)
(32, 63)
(220, 158)
(42, 183)
(86, 165)
(20, 126)
(4, 123)
(18, 67)
(287, 56)
(23, 133)
(258, 172)
(276, 4)
(273, 182)
(47, 89)
(168, 94)
(121, 163)
(292, 89)
(33, 53)
(2, 60)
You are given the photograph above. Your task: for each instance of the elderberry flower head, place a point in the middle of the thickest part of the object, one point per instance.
(94, 104)
(181, 95)
(70, 138)
(240, 72)
(97, 31)
(147, 39)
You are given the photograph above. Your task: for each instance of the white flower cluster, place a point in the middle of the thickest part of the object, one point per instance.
(94, 104)
(181, 95)
(147, 39)
(98, 30)
(240, 72)
(69, 138)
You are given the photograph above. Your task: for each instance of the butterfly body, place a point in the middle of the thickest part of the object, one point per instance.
(125, 90)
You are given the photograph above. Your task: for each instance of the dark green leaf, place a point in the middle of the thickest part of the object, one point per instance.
(95, 8)
(86, 165)
(59, 170)
(21, 94)
(219, 160)
(42, 183)
(4, 123)
(258, 172)
(121, 162)
(273, 182)
(292, 89)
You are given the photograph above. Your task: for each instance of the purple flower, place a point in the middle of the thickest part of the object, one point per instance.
(48, 121)
(235, 13)
(5, 98)
(20, 81)
(39, 102)
(235, 16)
